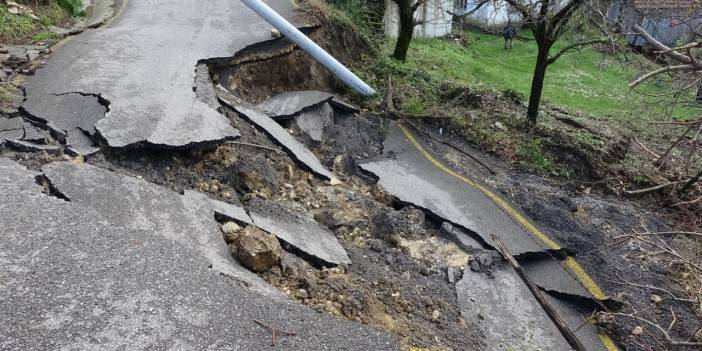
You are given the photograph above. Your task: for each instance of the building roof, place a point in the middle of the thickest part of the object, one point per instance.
(664, 4)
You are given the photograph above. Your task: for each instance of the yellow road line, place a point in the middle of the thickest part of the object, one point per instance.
(575, 267)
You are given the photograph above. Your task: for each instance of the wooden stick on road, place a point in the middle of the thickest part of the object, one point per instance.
(568, 334)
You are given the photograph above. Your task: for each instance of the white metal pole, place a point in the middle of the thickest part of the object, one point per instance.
(297, 37)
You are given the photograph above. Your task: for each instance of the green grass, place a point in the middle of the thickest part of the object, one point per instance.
(45, 36)
(584, 80)
(13, 27)
(73, 7)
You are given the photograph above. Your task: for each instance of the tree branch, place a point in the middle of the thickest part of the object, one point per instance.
(658, 45)
(521, 8)
(575, 46)
(649, 75)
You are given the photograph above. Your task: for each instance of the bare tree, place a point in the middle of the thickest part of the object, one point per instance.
(681, 60)
(547, 20)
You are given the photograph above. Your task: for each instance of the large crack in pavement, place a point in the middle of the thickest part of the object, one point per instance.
(141, 64)
(84, 275)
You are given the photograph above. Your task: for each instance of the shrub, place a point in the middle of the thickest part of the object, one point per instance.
(73, 7)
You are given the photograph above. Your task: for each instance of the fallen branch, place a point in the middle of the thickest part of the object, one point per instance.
(428, 135)
(568, 334)
(274, 331)
(649, 75)
(648, 190)
(257, 146)
(665, 334)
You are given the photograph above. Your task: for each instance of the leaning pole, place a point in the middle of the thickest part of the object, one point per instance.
(293, 34)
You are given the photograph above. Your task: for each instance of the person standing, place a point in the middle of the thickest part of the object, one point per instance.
(509, 32)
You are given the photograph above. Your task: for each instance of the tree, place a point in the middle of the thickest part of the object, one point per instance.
(547, 20)
(406, 10)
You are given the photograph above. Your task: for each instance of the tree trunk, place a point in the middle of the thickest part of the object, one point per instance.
(406, 29)
(537, 83)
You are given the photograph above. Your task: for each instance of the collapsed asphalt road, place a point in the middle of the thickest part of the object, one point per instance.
(410, 173)
(132, 82)
(153, 268)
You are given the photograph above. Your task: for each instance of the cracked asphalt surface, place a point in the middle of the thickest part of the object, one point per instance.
(144, 66)
(91, 273)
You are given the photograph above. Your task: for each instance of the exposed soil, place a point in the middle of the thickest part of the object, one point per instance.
(398, 280)
(589, 224)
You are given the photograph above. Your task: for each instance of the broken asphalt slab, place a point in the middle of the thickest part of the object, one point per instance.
(143, 65)
(134, 203)
(72, 279)
(301, 232)
(405, 173)
(281, 136)
(507, 313)
(288, 104)
(312, 122)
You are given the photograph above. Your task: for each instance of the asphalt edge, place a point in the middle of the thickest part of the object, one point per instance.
(584, 278)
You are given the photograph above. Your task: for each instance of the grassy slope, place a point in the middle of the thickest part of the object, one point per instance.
(584, 80)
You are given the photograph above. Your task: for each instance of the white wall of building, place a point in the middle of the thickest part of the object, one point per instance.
(434, 14)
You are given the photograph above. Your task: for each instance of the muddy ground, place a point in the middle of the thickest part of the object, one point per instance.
(590, 223)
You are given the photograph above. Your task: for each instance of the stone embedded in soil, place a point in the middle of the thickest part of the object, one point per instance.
(256, 249)
(291, 103)
(299, 231)
(408, 223)
(282, 137)
(231, 231)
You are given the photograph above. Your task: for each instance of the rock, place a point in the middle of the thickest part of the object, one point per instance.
(485, 259)
(256, 249)
(450, 275)
(345, 164)
(302, 294)
(231, 231)
(408, 223)
(275, 33)
(376, 245)
(500, 126)
(258, 173)
(435, 315)
(656, 298)
(638, 330)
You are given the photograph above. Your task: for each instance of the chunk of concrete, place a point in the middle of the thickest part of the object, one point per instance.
(34, 134)
(291, 103)
(507, 313)
(229, 211)
(282, 137)
(204, 89)
(11, 128)
(67, 112)
(299, 231)
(343, 105)
(312, 122)
(127, 202)
(81, 143)
(554, 276)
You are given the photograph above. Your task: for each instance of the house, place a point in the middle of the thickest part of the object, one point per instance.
(434, 17)
(490, 15)
(668, 21)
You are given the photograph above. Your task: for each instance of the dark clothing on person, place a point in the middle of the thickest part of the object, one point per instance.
(509, 32)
